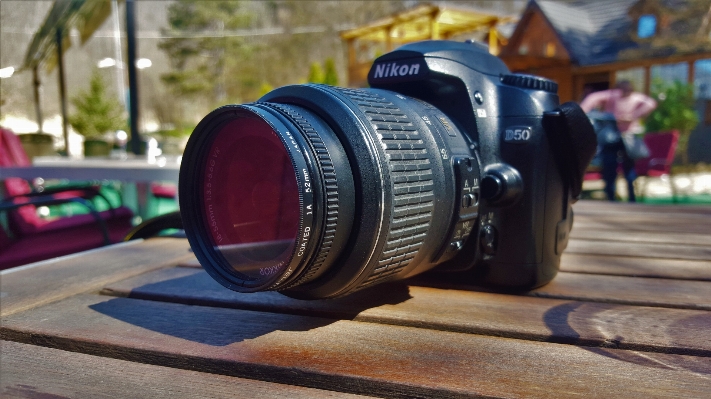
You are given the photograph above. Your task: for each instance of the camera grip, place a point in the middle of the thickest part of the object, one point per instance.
(573, 142)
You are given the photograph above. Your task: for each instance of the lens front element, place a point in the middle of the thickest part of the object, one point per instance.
(251, 198)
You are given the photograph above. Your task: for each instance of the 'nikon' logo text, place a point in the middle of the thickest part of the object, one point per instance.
(393, 69)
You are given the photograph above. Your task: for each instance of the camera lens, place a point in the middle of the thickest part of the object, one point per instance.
(319, 191)
(260, 195)
(251, 199)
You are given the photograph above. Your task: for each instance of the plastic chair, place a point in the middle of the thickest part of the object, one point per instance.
(164, 190)
(25, 237)
(662, 148)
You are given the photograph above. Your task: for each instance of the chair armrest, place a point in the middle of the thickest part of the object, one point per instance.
(658, 161)
(659, 165)
(84, 191)
(153, 226)
(12, 203)
(92, 189)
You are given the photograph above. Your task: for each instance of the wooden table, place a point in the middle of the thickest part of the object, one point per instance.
(629, 315)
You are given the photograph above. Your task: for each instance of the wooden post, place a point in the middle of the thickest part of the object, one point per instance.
(36, 89)
(647, 79)
(692, 72)
(389, 38)
(612, 79)
(62, 89)
(352, 60)
(493, 40)
(434, 26)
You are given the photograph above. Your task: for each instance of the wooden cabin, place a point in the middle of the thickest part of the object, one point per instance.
(588, 46)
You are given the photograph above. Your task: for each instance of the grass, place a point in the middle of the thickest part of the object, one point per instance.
(696, 199)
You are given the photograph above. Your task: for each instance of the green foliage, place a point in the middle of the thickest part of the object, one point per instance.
(330, 74)
(179, 132)
(209, 66)
(316, 74)
(265, 88)
(325, 75)
(96, 113)
(675, 110)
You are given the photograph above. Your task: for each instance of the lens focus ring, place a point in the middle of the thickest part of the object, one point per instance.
(412, 182)
(330, 188)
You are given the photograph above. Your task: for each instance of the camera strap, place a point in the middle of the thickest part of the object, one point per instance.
(573, 143)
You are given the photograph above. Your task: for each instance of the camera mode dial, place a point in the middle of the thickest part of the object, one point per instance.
(530, 82)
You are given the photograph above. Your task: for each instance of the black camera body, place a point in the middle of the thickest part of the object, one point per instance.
(524, 216)
(448, 161)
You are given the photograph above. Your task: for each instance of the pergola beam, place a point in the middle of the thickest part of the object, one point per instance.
(424, 22)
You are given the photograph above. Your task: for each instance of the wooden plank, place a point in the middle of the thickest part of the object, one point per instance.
(636, 267)
(669, 224)
(590, 206)
(583, 232)
(681, 294)
(636, 291)
(190, 263)
(550, 320)
(39, 283)
(639, 249)
(60, 374)
(349, 356)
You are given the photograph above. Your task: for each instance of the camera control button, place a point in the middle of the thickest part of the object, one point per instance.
(491, 187)
(488, 239)
(455, 245)
(471, 199)
(530, 82)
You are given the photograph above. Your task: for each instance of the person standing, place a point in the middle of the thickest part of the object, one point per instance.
(628, 107)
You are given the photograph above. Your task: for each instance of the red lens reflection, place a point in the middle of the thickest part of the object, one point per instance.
(251, 198)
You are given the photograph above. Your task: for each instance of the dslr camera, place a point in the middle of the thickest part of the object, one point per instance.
(448, 160)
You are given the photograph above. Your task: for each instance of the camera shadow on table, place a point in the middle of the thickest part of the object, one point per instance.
(219, 317)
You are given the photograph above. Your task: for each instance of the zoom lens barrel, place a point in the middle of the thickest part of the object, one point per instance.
(319, 191)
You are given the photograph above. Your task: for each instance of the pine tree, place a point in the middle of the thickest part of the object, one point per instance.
(330, 74)
(207, 66)
(315, 73)
(96, 113)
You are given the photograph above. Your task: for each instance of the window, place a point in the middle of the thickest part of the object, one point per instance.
(646, 26)
(550, 49)
(702, 79)
(634, 76)
(667, 74)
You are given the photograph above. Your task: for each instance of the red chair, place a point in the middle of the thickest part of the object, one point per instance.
(662, 148)
(164, 190)
(25, 237)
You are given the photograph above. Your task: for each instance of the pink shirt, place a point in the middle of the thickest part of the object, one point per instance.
(627, 110)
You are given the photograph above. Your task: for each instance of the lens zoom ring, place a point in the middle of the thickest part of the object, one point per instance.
(412, 182)
(330, 188)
